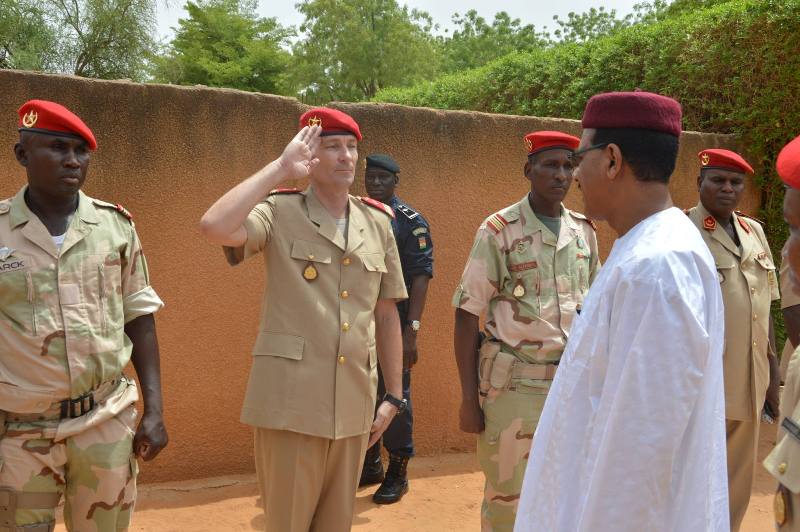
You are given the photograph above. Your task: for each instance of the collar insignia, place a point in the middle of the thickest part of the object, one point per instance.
(744, 225)
(709, 223)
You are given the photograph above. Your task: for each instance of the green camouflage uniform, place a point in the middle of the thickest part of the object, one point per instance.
(62, 316)
(529, 283)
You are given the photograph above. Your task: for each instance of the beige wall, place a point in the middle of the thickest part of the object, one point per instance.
(167, 153)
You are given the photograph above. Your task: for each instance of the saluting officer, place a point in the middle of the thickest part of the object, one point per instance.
(784, 461)
(333, 280)
(749, 285)
(529, 269)
(76, 306)
(414, 243)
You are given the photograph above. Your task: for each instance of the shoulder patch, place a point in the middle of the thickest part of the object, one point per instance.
(580, 216)
(116, 206)
(375, 204)
(421, 230)
(408, 211)
(284, 191)
(496, 223)
(743, 215)
(5, 206)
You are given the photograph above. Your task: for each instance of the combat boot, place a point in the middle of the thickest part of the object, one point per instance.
(395, 485)
(372, 473)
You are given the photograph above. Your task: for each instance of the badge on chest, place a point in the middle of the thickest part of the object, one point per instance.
(9, 261)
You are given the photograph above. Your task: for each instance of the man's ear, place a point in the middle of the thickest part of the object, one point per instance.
(21, 154)
(614, 154)
(396, 179)
(527, 168)
(699, 180)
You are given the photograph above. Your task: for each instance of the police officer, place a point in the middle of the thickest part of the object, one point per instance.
(75, 306)
(414, 243)
(329, 311)
(528, 272)
(749, 285)
(784, 461)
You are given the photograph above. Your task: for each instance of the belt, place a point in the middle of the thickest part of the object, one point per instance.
(544, 372)
(69, 408)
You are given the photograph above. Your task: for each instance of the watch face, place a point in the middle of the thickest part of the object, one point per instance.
(415, 325)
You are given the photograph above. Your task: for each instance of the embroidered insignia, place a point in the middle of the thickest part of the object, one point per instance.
(423, 242)
(310, 272)
(375, 204)
(521, 267)
(519, 290)
(419, 231)
(528, 144)
(496, 223)
(705, 159)
(709, 223)
(744, 225)
(123, 211)
(591, 222)
(408, 211)
(315, 121)
(29, 119)
(5, 253)
(285, 191)
(762, 255)
(521, 247)
(580, 256)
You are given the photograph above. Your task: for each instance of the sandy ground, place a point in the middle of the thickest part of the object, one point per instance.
(445, 495)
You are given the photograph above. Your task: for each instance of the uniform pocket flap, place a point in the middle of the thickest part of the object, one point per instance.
(304, 250)
(765, 263)
(374, 262)
(279, 345)
(725, 263)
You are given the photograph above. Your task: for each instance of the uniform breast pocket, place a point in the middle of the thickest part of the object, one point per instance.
(310, 256)
(725, 269)
(101, 293)
(374, 266)
(17, 297)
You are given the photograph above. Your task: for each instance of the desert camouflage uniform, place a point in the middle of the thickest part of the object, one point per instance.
(61, 334)
(514, 248)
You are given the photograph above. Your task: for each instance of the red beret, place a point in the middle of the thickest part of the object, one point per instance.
(548, 140)
(788, 163)
(41, 116)
(633, 110)
(725, 159)
(333, 122)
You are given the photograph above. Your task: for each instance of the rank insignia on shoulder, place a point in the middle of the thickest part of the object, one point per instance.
(496, 223)
(285, 191)
(408, 211)
(5, 253)
(686, 212)
(375, 204)
(745, 215)
(419, 231)
(709, 223)
(591, 222)
(123, 211)
(744, 225)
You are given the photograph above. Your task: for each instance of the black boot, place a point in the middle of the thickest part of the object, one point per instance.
(372, 473)
(395, 485)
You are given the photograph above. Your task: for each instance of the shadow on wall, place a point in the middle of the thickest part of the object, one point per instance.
(166, 153)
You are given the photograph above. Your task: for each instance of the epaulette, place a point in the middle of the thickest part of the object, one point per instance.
(687, 212)
(5, 206)
(496, 223)
(407, 211)
(580, 216)
(284, 191)
(117, 207)
(743, 215)
(375, 204)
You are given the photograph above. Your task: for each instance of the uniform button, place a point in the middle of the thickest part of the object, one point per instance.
(345, 294)
(310, 256)
(346, 261)
(341, 359)
(782, 468)
(753, 290)
(755, 317)
(755, 344)
(345, 326)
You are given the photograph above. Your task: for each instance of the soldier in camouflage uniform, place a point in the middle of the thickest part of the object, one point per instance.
(528, 271)
(75, 306)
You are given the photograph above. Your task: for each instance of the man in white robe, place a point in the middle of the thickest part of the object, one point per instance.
(632, 436)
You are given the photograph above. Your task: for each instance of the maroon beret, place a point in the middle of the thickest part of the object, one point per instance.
(788, 163)
(50, 118)
(331, 121)
(633, 110)
(725, 159)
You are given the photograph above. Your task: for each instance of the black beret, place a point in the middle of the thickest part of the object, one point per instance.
(381, 160)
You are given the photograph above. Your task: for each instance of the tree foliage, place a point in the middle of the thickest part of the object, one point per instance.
(350, 49)
(224, 43)
(25, 38)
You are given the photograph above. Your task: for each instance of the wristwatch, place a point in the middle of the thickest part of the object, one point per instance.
(414, 324)
(401, 404)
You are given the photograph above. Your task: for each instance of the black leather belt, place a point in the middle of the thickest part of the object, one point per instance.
(72, 408)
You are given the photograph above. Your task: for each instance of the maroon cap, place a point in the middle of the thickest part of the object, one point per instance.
(50, 118)
(331, 121)
(788, 163)
(633, 110)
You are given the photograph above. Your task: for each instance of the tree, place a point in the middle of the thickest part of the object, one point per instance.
(474, 42)
(223, 43)
(353, 48)
(107, 39)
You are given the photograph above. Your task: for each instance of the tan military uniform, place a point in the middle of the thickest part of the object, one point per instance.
(314, 361)
(530, 283)
(749, 284)
(789, 298)
(62, 315)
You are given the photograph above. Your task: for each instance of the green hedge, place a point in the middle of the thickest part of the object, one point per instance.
(734, 67)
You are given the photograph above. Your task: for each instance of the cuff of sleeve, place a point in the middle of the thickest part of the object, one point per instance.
(462, 300)
(783, 463)
(141, 303)
(255, 234)
(397, 295)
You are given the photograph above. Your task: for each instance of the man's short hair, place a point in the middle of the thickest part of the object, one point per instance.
(651, 154)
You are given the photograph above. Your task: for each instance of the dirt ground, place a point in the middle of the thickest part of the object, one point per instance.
(445, 495)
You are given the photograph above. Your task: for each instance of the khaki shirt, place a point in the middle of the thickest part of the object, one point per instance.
(749, 284)
(528, 281)
(314, 358)
(783, 462)
(789, 298)
(62, 314)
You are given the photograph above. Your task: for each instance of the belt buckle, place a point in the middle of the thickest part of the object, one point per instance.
(85, 402)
